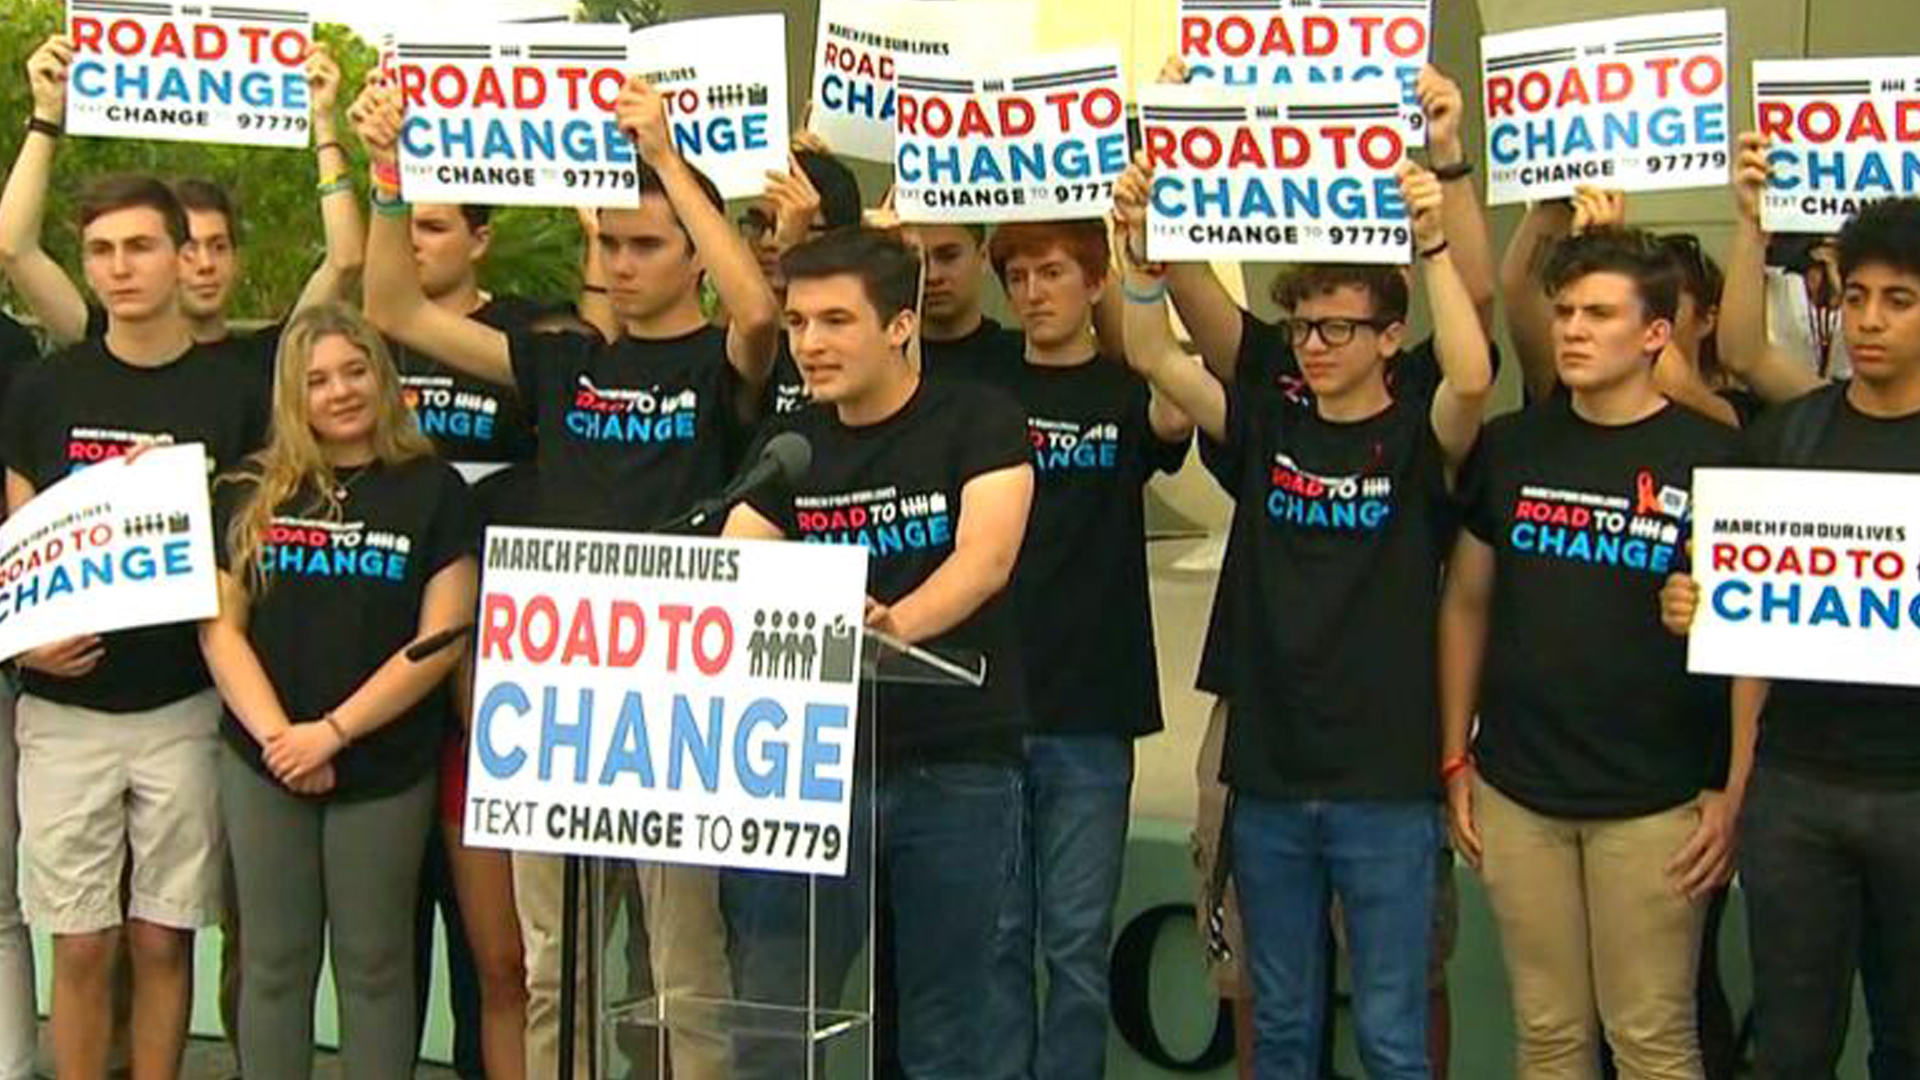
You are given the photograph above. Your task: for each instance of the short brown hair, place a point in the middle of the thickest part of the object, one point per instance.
(1085, 242)
(208, 197)
(131, 190)
(1386, 284)
(1632, 253)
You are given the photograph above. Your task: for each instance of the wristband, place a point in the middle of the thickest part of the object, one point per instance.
(388, 203)
(1455, 765)
(1459, 170)
(330, 144)
(1152, 296)
(333, 185)
(45, 127)
(386, 174)
(1435, 251)
(338, 731)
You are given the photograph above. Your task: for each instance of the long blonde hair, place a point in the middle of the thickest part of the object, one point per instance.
(292, 463)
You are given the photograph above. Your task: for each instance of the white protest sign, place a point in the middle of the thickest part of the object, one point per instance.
(189, 72)
(858, 41)
(113, 546)
(1040, 138)
(1279, 43)
(1843, 133)
(1807, 575)
(517, 115)
(1299, 175)
(725, 82)
(1638, 104)
(671, 699)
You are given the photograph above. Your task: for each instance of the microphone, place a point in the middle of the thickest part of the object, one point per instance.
(433, 643)
(784, 459)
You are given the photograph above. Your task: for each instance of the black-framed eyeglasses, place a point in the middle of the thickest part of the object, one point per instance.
(1334, 332)
(753, 225)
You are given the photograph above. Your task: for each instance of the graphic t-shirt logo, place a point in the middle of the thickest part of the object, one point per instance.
(1333, 503)
(88, 446)
(1067, 445)
(790, 397)
(882, 520)
(1641, 532)
(333, 549)
(652, 415)
(445, 412)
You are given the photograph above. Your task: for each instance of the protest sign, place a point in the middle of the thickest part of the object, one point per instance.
(1040, 138)
(189, 72)
(516, 115)
(1299, 175)
(725, 81)
(1638, 104)
(672, 699)
(1807, 575)
(113, 546)
(858, 41)
(1843, 133)
(1278, 43)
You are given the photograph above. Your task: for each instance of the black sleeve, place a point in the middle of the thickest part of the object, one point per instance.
(1479, 511)
(1160, 455)
(454, 531)
(262, 353)
(535, 357)
(17, 423)
(993, 436)
(1224, 459)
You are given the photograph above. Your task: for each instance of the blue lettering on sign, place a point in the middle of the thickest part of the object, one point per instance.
(1511, 141)
(569, 142)
(975, 164)
(855, 97)
(754, 747)
(1286, 197)
(134, 563)
(128, 81)
(1859, 170)
(721, 134)
(1249, 73)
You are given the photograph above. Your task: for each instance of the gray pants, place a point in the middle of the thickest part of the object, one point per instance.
(302, 866)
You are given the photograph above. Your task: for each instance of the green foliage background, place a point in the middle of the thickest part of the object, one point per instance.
(536, 252)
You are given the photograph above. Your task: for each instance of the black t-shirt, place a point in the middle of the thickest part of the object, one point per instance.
(1085, 620)
(84, 406)
(989, 347)
(632, 433)
(895, 488)
(256, 350)
(1586, 707)
(1849, 733)
(472, 422)
(1266, 363)
(1345, 526)
(18, 351)
(342, 596)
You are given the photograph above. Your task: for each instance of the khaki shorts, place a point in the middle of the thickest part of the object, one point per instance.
(96, 787)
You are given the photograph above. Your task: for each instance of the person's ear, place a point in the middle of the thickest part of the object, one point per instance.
(901, 328)
(482, 243)
(1655, 337)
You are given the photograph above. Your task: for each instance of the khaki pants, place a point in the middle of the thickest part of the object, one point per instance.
(1591, 927)
(686, 956)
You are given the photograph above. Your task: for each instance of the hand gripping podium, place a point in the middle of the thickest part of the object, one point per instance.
(763, 975)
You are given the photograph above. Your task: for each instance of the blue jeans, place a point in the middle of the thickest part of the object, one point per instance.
(1823, 864)
(945, 853)
(1289, 858)
(1067, 878)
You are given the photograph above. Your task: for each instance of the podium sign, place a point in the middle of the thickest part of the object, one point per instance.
(667, 699)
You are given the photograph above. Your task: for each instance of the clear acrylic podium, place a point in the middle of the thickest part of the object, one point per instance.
(790, 995)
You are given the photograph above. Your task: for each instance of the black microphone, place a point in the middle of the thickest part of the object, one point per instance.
(433, 643)
(784, 459)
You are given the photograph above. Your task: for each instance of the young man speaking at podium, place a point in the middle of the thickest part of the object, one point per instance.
(933, 477)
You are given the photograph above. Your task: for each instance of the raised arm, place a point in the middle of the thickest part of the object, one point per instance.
(1465, 605)
(340, 217)
(986, 544)
(1211, 317)
(754, 316)
(1462, 220)
(1153, 351)
(52, 296)
(394, 301)
(1459, 338)
(1529, 317)
(594, 307)
(1742, 332)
